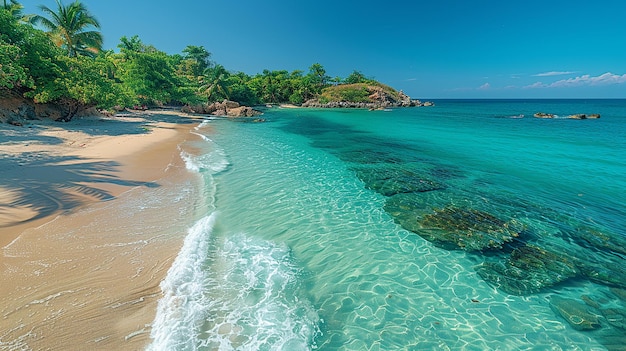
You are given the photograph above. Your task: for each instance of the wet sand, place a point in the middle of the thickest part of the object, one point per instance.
(85, 233)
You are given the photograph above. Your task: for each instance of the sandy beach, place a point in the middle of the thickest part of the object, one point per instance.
(85, 239)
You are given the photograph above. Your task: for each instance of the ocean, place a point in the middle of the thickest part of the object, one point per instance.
(470, 225)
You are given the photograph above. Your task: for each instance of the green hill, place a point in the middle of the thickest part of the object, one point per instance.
(371, 94)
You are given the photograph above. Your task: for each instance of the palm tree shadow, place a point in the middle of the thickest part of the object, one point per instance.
(51, 184)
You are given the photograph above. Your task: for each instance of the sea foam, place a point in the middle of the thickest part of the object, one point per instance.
(228, 291)
(181, 311)
(213, 160)
(257, 298)
(241, 293)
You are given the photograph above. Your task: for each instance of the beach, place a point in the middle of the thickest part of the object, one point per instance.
(319, 229)
(81, 261)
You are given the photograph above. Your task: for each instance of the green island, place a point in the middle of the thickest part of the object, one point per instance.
(53, 66)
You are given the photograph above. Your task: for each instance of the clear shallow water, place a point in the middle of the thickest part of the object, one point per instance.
(320, 230)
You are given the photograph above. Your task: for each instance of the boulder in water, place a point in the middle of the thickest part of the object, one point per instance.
(543, 115)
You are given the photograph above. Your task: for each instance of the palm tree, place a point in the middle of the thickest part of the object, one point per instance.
(69, 28)
(214, 84)
(199, 56)
(14, 8)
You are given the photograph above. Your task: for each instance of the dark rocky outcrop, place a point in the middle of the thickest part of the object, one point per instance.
(19, 111)
(225, 108)
(543, 115)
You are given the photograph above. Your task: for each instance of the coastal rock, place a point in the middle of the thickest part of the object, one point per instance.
(543, 115)
(529, 269)
(576, 313)
(19, 110)
(577, 116)
(224, 108)
(219, 112)
(203, 109)
(373, 106)
(242, 111)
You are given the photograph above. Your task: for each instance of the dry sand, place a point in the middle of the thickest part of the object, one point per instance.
(85, 234)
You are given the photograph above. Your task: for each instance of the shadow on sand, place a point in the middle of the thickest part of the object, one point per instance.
(53, 184)
(46, 184)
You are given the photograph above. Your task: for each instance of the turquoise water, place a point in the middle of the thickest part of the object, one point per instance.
(456, 227)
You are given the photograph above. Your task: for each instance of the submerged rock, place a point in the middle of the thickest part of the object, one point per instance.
(450, 227)
(407, 209)
(599, 254)
(368, 157)
(616, 317)
(576, 313)
(468, 229)
(529, 269)
(390, 181)
(597, 240)
(604, 272)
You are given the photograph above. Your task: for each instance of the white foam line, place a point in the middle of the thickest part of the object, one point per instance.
(179, 315)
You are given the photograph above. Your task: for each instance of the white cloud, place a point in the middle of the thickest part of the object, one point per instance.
(535, 85)
(553, 73)
(584, 80)
(484, 86)
(604, 79)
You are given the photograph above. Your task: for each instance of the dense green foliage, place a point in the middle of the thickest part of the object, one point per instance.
(65, 65)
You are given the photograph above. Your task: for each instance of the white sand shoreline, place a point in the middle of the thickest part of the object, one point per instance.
(86, 275)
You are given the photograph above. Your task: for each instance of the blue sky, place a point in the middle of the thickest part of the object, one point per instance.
(429, 49)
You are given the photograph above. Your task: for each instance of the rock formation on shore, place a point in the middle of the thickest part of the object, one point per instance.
(18, 111)
(225, 108)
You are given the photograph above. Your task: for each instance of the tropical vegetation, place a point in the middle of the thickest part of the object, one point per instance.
(57, 57)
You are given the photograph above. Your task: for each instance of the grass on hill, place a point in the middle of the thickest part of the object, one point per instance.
(358, 92)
